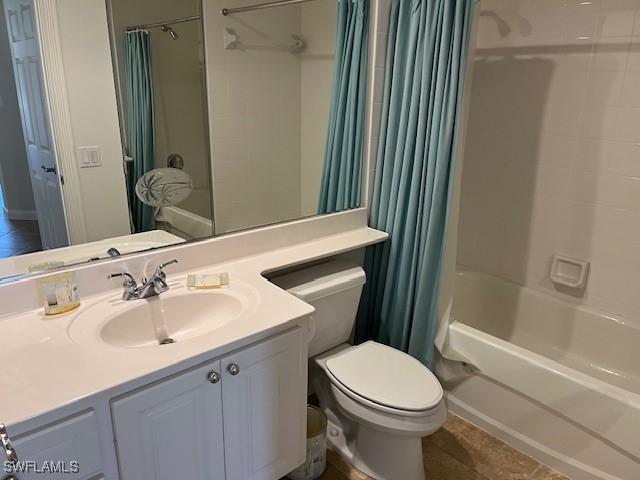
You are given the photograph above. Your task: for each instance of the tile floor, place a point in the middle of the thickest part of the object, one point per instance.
(17, 236)
(461, 451)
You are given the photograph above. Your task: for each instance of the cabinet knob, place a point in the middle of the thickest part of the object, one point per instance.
(213, 377)
(10, 477)
(233, 369)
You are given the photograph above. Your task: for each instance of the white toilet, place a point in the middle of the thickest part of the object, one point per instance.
(379, 401)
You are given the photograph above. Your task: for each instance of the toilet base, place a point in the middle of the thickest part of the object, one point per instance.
(378, 454)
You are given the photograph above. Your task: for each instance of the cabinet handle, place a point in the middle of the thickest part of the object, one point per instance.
(233, 369)
(213, 377)
(9, 451)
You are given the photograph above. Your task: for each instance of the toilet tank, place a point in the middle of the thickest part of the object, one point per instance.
(333, 289)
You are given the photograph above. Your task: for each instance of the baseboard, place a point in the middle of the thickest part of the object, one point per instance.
(12, 214)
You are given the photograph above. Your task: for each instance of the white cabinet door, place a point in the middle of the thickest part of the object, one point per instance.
(264, 399)
(66, 450)
(173, 429)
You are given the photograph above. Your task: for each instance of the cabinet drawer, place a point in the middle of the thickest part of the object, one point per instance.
(59, 445)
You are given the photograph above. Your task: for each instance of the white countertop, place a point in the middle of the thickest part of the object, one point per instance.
(45, 369)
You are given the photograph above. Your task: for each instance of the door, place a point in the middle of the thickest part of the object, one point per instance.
(173, 429)
(27, 67)
(264, 399)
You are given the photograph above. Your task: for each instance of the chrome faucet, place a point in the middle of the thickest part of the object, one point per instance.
(151, 287)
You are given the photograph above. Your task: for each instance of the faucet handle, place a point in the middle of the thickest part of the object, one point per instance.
(129, 284)
(129, 281)
(160, 268)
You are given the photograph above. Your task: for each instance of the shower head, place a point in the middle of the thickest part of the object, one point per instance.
(172, 32)
(503, 27)
(524, 25)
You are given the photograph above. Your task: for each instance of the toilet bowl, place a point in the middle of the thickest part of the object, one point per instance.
(379, 401)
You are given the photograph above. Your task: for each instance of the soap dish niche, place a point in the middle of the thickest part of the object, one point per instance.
(569, 272)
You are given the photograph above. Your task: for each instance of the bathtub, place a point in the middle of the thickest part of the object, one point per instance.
(185, 224)
(559, 381)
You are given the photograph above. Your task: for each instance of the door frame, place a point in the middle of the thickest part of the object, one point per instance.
(57, 102)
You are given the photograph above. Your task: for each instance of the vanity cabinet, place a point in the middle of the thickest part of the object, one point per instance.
(242, 417)
(172, 429)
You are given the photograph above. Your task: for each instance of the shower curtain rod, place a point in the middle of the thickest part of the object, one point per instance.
(160, 24)
(260, 6)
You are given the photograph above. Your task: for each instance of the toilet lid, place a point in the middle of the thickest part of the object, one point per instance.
(386, 376)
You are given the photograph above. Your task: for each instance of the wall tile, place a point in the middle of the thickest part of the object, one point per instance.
(626, 126)
(380, 49)
(611, 53)
(383, 9)
(617, 22)
(375, 89)
(633, 59)
(630, 91)
(582, 18)
(552, 160)
(378, 83)
(605, 88)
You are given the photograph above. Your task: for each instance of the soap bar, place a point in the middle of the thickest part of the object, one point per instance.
(207, 280)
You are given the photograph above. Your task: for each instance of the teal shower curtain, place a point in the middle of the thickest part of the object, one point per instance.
(140, 122)
(341, 176)
(426, 59)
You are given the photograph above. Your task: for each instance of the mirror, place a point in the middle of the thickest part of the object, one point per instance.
(270, 95)
(127, 125)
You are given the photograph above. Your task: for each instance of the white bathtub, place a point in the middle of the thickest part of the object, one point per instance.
(559, 381)
(184, 223)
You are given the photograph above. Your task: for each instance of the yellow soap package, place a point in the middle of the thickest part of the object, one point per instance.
(59, 293)
(207, 280)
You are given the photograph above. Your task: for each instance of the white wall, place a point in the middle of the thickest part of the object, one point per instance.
(254, 105)
(94, 117)
(552, 162)
(318, 28)
(181, 108)
(378, 36)
(16, 179)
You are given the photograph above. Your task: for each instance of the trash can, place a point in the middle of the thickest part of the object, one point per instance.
(316, 461)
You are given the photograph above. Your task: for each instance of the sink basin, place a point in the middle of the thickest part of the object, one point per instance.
(164, 320)
(172, 317)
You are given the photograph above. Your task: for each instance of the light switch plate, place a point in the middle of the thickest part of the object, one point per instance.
(90, 157)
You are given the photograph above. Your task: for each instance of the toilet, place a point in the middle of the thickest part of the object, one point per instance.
(379, 401)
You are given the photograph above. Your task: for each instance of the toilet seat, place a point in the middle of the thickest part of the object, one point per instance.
(384, 379)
